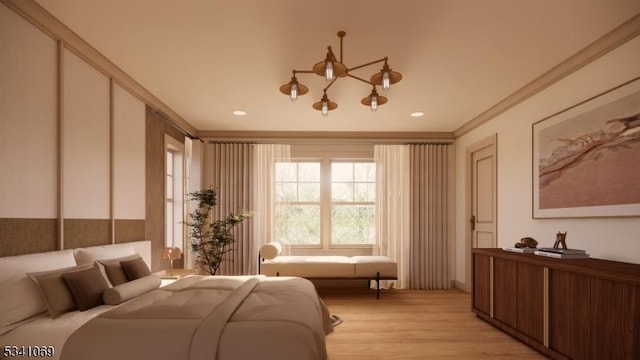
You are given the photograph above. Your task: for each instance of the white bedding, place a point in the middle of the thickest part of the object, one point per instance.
(210, 317)
(281, 317)
(46, 331)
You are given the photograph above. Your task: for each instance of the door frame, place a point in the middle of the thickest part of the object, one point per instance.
(491, 140)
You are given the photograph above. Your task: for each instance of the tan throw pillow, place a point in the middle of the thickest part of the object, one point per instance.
(114, 271)
(55, 292)
(135, 268)
(86, 286)
(131, 289)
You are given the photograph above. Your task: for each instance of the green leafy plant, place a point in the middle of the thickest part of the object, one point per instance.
(211, 240)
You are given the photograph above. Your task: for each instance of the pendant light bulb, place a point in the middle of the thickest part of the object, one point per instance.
(325, 108)
(374, 103)
(294, 92)
(328, 71)
(386, 83)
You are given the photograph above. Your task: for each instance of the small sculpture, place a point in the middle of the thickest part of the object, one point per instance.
(560, 240)
(527, 242)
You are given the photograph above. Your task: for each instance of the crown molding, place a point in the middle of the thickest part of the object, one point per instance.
(616, 37)
(43, 20)
(328, 136)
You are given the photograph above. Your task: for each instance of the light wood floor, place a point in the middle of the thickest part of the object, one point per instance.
(411, 324)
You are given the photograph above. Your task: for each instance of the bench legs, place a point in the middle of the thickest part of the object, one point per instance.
(377, 283)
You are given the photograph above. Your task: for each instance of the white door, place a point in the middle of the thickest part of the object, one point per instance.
(483, 197)
(481, 193)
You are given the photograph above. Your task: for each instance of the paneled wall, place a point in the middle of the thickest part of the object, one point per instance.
(72, 147)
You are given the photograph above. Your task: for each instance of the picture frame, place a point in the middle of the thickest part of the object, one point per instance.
(586, 158)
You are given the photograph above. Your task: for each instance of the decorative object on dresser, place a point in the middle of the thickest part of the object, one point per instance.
(561, 240)
(560, 250)
(527, 242)
(525, 245)
(584, 157)
(565, 309)
(211, 241)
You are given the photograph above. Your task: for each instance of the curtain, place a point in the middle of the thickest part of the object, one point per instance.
(265, 157)
(430, 266)
(393, 212)
(228, 170)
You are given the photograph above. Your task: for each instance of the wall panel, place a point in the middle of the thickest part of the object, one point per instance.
(129, 155)
(86, 153)
(26, 236)
(28, 121)
(86, 232)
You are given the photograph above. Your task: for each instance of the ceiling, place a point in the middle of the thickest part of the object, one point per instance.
(206, 58)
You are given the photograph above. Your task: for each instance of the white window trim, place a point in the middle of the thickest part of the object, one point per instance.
(326, 247)
(180, 231)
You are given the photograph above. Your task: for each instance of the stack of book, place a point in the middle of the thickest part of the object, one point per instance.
(520, 250)
(562, 253)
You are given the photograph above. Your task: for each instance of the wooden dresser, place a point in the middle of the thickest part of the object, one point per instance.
(566, 309)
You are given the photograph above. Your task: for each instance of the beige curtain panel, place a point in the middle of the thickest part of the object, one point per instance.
(393, 211)
(265, 157)
(228, 170)
(431, 203)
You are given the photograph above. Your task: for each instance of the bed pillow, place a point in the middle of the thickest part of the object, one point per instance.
(91, 254)
(20, 298)
(86, 287)
(135, 268)
(131, 289)
(114, 271)
(55, 292)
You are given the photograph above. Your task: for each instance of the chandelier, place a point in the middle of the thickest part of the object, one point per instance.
(332, 69)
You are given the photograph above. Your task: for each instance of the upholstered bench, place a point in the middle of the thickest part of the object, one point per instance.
(326, 267)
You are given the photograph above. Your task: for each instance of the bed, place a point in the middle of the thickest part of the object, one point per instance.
(195, 318)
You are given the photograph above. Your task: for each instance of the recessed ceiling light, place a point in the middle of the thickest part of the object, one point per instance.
(239, 113)
(417, 114)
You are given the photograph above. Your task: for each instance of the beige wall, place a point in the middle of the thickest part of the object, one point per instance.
(607, 238)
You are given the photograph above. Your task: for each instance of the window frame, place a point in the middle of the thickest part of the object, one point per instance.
(326, 204)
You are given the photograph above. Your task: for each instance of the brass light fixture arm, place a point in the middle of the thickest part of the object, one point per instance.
(328, 86)
(361, 79)
(301, 72)
(385, 59)
(341, 34)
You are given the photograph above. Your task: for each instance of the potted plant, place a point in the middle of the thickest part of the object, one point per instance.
(211, 240)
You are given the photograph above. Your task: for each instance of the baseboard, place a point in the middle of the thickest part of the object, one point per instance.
(462, 286)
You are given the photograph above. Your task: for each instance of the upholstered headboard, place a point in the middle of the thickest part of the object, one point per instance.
(90, 254)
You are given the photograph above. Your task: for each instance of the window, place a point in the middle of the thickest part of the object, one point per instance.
(174, 193)
(325, 203)
(353, 192)
(298, 203)
(169, 208)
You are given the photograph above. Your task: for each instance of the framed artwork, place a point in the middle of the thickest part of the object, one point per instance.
(586, 159)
